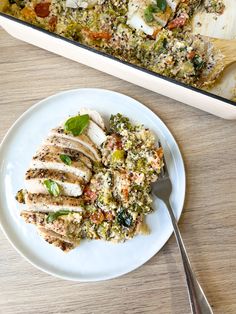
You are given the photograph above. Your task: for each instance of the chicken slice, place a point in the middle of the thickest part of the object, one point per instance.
(69, 144)
(70, 184)
(59, 236)
(173, 4)
(72, 153)
(57, 240)
(32, 217)
(49, 203)
(47, 159)
(66, 225)
(95, 116)
(82, 139)
(95, 133)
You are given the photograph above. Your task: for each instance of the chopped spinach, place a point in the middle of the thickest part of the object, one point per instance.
(124, 218)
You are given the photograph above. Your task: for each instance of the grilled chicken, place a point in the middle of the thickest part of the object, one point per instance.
(57, 240)
(95, 133)
(66, 225)
(69, 144)
(47, 159)
(94, 116)
(59, 236)
(61, 233)
(173, 4)
(72, 153)
(66, 161)
(69, 183)
(82, 139)
(48, 203)
(34, 218)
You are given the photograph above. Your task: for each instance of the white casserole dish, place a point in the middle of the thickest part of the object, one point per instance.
(200, 99)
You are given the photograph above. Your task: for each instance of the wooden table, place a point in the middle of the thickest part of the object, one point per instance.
(208, 223)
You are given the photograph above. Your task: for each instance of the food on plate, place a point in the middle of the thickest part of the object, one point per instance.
(98, 187)
(153, 34)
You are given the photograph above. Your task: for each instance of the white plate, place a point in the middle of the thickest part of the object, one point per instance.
(92, 260)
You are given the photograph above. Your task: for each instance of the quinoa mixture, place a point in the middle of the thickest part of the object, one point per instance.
(153, 34)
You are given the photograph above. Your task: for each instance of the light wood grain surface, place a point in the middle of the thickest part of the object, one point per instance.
(208, 223)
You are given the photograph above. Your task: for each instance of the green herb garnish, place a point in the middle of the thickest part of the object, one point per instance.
(66, 159)
(148, 14)
(161, 4)
(124, 218)
(52, 187)
(198, 62)
(76, 125)
(53, 216)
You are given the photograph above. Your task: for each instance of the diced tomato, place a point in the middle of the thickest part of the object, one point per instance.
(99, 35)
(89, 194)
(108, 216)
(42, 9)
(125, 193)
(115, 142)
(52, 22)
(97, 217)
(178, 21)
(191, 55)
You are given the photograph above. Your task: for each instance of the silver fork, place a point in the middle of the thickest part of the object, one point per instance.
(197, 299)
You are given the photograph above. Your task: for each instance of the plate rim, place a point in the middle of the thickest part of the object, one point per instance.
(31, 109)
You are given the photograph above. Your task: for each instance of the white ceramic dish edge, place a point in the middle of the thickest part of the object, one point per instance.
(201, 100)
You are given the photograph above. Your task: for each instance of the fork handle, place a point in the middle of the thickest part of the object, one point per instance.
(198, 301)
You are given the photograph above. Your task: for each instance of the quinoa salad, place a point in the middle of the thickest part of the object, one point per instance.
(153, 34)
(94, 183)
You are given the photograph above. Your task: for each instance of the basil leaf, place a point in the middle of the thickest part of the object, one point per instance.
(161, 4)
(53, 216)
(76, 125)
(198, 62)
(66, 159)
(148, 14)
(52, 187)
(124, 218)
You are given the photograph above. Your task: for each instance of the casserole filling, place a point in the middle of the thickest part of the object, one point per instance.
(154, 34)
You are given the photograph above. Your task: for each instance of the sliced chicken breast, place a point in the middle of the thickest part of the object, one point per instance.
(57, 240)
(32, 217)
(95, 116)
(59, 236)
(95, 133)
(70, 184)
(69, 144)
(173, 4)
(46, 159)
(48, 203)
(72, 153)
(82, 139)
